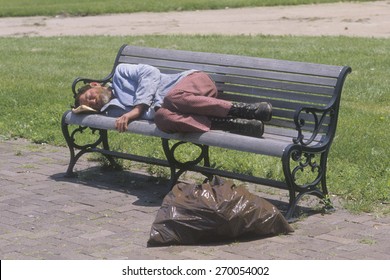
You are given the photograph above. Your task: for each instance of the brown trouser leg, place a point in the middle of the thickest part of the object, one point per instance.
(188, 106)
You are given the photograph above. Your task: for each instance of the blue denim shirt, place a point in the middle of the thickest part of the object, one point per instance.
(135, 84)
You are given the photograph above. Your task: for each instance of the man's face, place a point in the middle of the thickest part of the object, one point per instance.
(96, 97)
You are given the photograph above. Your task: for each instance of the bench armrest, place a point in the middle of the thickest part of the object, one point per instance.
(318, 117)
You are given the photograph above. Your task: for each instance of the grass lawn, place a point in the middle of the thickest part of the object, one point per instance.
(36, 75)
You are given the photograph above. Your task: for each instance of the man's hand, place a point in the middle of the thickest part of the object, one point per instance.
(122, 123)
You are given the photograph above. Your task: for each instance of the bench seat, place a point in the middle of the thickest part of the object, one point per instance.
(271, 144)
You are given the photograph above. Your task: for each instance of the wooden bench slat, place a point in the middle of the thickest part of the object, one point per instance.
(270, 95)
(284, 123)
(273, 83)
(235, 60)
(174, 67)
(284, 134)
(276, 103)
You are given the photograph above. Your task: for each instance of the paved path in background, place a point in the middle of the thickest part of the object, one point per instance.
(109, 216)
(366, 19)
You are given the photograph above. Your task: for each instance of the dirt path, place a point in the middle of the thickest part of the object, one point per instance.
(368, 19)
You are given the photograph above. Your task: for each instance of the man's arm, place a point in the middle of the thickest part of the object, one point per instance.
(136, 84)
(122, 123)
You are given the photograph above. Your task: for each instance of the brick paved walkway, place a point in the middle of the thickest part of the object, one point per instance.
(109, 216)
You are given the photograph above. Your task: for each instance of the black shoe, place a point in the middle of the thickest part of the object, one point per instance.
(258, 111)
(253, 128)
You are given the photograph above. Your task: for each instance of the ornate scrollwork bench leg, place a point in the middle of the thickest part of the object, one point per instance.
(177, 167)
(295, 160)
(70, 138)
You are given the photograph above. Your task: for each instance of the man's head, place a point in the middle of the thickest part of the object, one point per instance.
(93, 95)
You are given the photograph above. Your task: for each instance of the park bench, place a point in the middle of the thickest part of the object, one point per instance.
(305, 99)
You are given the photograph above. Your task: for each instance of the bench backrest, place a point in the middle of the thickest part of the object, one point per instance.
(287, 85)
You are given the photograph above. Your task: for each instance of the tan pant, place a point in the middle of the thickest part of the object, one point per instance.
(190, 104)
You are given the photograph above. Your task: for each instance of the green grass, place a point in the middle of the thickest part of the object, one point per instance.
(94, 7)
(36, 74)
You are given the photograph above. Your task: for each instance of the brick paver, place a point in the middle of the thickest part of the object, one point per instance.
(108, 215)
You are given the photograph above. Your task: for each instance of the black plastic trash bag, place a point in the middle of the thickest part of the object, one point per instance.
(214, 212)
